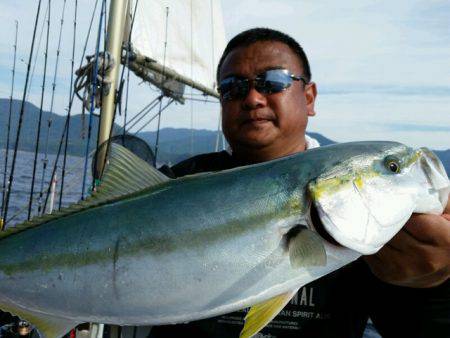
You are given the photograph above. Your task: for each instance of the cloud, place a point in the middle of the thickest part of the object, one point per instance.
(374, 62)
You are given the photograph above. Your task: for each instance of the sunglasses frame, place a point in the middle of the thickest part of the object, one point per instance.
(242, 85)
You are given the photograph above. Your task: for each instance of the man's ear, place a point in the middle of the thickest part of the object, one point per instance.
(310, 95)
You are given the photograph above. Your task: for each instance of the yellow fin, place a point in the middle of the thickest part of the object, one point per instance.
(261, 314)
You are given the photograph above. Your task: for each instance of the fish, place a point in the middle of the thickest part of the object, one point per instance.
(148, 250)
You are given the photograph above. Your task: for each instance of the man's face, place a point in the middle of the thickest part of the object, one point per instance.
(266, 126)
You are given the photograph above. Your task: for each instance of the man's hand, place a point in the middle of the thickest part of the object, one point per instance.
(419, 255)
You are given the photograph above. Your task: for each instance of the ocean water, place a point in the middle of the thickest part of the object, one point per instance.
(20, 192)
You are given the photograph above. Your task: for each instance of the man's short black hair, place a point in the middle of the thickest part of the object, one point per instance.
(266, 34)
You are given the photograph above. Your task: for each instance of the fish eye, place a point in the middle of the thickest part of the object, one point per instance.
(392, 164)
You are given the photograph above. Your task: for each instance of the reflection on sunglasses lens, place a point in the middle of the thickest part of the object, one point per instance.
(270, 82)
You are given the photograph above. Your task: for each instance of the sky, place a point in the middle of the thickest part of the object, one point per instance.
(382, 67)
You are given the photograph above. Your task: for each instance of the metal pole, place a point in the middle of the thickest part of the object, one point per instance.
(116, 26)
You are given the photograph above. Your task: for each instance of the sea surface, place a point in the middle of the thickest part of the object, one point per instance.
(21, 187)
(20, 193)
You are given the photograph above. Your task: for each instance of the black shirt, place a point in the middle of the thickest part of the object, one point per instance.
(336, 305)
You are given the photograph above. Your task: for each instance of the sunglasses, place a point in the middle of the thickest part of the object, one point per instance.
(269, 82)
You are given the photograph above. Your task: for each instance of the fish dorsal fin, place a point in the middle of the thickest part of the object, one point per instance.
(306, 248)
(261, 314)
(125, 173)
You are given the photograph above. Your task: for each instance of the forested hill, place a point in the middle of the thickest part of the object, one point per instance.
(175, 144)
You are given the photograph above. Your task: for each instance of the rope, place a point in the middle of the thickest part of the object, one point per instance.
(9, 128)
(72, 61)
(144, 112)
(38, 134)
(162, 81)
(128, 51)
(22, 110)
(157, 114)
(85, 79)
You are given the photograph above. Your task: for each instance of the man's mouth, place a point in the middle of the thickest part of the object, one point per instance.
(257, 120)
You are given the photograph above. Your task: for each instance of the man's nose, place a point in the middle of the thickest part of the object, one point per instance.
(254, 99)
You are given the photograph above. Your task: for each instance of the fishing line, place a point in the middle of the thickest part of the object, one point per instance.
(92, 107)
(49, 121)
(41, 34)
(9, 128)
(63, 170)
(38, 134)
(70, 104)
(22, 110)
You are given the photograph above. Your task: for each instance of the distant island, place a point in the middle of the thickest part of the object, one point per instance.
(174, 144)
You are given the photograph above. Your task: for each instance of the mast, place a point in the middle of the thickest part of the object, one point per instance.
(115, 32)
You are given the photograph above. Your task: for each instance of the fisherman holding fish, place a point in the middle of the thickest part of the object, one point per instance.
(145, 249)
(267, 96)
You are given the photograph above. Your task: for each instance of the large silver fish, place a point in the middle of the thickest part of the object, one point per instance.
(147, 250)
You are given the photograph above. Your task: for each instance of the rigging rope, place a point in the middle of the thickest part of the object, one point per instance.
(49, 121)
(144, 112)
(156, 115)
(92, 96)
(22, 110)
(192, 77)
(85, 79)
(38, 134)
(9, 128)
(72, 63)
(128, 51)
(162, 81)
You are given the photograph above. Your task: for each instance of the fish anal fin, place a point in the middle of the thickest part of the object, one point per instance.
(306, 248)
(261, 314)
(48, 326)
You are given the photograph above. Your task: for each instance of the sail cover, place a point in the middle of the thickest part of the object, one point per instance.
(195, 36)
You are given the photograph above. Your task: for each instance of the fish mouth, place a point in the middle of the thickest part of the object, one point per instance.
(319, 227)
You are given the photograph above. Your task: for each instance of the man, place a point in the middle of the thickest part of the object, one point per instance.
(265, 120)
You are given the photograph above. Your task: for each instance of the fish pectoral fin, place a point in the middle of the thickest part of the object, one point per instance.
(261, 314)
(47, 325)
(306, 249)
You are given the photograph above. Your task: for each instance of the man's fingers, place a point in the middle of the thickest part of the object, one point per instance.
(388, 265)
(429, 229)
(403, 242)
